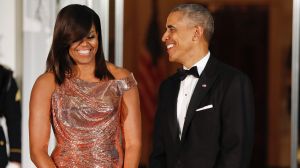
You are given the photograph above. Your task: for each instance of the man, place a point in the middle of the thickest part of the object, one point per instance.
(10, 109)
(205, 115)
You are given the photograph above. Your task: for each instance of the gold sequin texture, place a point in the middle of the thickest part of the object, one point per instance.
(86, 123)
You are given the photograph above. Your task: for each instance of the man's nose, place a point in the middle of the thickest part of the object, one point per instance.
(165, 37)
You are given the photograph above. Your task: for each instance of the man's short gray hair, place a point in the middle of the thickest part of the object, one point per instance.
(200, 15)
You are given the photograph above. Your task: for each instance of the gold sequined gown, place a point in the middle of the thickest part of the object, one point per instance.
(86, 123)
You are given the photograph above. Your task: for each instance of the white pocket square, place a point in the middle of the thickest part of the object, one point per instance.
(205, 107)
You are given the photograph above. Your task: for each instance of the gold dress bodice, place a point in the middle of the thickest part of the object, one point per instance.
(86, 123)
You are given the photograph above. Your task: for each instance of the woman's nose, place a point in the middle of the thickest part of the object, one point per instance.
(84, 42)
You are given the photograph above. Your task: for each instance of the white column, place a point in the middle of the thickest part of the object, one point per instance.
(102, 8)
(119, 31)
(8, 34)
(38, 22)
(295, 82)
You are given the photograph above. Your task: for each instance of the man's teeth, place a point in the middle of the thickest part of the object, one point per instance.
(170, 46)
(84, 51)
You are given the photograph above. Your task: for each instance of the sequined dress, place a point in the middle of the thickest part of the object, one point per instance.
(87, 124)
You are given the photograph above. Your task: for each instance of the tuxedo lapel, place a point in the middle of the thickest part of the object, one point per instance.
(173, 122)
(204, 83)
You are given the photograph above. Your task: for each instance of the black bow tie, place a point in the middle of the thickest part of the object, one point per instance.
(183, 73)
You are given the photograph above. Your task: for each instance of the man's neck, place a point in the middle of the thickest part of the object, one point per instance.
(197, 56)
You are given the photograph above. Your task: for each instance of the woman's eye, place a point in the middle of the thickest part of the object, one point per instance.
(91, 37)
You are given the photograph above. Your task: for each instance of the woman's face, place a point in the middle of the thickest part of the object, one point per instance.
(83, 51)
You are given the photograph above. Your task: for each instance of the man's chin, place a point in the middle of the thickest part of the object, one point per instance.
(171, 59)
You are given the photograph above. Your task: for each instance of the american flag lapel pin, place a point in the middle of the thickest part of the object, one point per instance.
(204, 85)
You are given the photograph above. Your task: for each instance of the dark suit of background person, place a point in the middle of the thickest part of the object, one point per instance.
(10, 109)
(218, 125)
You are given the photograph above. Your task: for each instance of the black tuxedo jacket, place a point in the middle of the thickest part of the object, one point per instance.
(217, 137)
(10, 108)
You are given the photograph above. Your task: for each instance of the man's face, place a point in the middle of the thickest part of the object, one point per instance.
(179, 37)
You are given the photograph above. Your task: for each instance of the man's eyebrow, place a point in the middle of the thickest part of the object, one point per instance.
(170, 27)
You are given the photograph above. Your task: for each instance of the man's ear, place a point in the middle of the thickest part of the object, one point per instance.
(198, 32)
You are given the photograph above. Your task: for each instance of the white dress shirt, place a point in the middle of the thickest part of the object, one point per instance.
(186, 90)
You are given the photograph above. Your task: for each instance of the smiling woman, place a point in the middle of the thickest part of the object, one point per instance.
(92, 105)
(84, 51)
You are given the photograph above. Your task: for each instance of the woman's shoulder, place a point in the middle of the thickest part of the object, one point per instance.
(46, 77)
(46, 81)
(124, 78)
(118, 72)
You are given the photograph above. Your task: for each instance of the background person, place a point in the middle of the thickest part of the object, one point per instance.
(10, 109)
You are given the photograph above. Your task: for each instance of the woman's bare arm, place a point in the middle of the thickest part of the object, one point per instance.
(131, 117)
(39, 120)
(132, 128)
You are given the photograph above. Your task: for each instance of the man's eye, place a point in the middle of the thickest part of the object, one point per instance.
(172, 30)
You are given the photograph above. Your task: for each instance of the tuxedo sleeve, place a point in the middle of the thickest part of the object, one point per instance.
(237, 126)
(12, 113)
(158, 157)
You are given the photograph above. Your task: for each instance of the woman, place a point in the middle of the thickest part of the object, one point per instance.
(93, 106)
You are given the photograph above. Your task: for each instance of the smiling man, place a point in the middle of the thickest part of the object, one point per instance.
(205, 114)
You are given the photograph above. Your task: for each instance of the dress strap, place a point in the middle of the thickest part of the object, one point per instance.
(127, 82)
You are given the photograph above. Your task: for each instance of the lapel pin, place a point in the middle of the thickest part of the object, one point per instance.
(203, 85)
